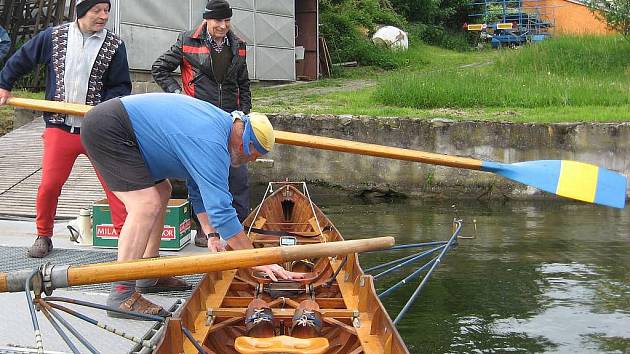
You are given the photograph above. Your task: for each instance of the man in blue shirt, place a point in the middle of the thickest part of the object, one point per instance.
(137, 142)
(5, 44)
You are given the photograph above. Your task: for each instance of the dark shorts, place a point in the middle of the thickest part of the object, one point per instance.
(109, 139)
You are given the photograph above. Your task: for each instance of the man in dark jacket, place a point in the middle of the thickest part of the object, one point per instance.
(213, 65)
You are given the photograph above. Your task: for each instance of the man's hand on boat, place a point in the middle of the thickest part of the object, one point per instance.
(241, 242)
(275, 271)
(215, 244)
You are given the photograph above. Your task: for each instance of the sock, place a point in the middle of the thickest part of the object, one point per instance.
(121, 291)
(145, 283)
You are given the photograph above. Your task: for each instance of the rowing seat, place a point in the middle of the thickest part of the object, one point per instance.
(281, 344)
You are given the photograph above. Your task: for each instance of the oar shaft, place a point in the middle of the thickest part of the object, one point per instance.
(289, 138)
(171, 266)
(319, 142)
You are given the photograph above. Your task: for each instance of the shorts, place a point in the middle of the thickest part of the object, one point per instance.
(111, 145)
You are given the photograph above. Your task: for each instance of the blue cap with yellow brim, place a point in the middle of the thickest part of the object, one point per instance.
(258, 131)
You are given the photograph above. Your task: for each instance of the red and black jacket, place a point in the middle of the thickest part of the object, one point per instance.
(192, 54)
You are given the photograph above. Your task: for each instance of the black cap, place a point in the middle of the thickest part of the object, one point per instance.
(218, 10)
(83, 6)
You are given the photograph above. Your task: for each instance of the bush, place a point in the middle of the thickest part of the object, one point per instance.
(348, 25)
(441, 37)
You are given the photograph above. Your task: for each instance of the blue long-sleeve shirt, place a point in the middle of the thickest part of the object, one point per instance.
(182, 137)
(5, 43)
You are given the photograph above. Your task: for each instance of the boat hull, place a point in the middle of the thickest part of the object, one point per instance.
(353, 320)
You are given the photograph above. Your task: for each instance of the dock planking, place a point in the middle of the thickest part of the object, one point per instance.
(20, 167)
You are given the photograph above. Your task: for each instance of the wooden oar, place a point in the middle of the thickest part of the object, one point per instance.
(571, 179)
(64, 276)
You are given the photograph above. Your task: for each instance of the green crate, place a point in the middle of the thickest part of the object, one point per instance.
(176, 234)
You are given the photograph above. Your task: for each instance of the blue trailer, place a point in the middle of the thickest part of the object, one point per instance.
(509, 23)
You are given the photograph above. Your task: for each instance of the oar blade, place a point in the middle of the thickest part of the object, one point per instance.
(571, 179)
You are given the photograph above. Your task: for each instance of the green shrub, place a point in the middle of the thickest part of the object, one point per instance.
(441, 37)
(342, 23)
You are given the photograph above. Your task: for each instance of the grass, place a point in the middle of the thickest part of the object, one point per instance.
(564, 79)
(6, 112)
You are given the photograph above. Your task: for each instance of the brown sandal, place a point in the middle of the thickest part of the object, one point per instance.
(259, 319)
(137, 303)
(307, 320)
(41, 247)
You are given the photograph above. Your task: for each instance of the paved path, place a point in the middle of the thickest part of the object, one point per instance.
(20, 168)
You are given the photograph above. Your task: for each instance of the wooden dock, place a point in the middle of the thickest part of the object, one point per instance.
(20, 171)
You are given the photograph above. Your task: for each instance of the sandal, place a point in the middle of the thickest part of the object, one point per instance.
(137, 303)
(307, 320)
(41, 247)
(259, 319)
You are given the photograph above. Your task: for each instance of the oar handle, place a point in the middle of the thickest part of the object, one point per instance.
(49, 106)
(172, 266)
(319, 142)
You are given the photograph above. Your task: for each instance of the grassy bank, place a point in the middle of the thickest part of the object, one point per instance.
(563, 79)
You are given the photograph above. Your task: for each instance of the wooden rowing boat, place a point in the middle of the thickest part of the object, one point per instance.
(349, 319)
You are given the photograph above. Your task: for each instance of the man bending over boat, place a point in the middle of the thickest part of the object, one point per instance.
(137, 142)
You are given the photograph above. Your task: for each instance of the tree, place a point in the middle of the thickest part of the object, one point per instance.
(616, 13)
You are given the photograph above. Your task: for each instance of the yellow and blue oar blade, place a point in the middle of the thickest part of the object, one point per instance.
(571, 179)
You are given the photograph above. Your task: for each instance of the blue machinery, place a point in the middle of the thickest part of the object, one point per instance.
(510, 23)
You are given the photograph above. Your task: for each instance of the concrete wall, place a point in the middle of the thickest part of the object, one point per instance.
(605, 145)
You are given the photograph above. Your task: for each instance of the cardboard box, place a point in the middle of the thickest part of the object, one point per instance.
(176, 232)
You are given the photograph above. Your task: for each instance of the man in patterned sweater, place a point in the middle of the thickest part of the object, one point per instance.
(85, 63)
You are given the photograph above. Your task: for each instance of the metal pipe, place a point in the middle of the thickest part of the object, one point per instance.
(107, 308)
(193, 340)
(400, 265)
(145, 343)
(72, 330)
(408, 278)
(428, 275)
(413, 245)
(390, 263)
(29, 300)
(57, 328)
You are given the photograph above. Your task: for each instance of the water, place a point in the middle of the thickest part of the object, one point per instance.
(550, 277)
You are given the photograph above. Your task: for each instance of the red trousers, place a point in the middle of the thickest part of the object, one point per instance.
(61, 150)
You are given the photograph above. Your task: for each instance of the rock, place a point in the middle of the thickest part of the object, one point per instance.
(391, 37)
